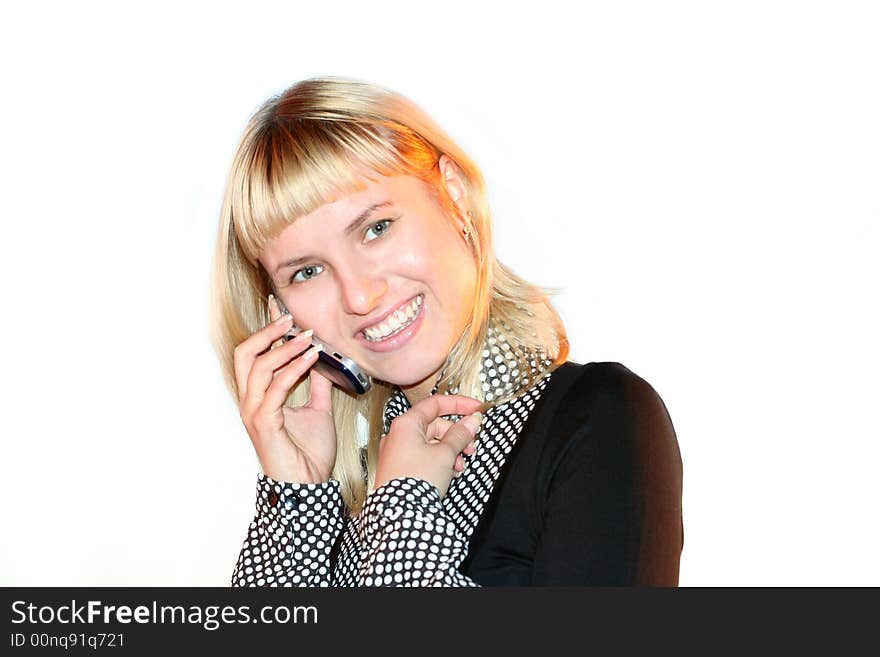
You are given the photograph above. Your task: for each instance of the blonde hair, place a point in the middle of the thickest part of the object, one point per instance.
(313, 143)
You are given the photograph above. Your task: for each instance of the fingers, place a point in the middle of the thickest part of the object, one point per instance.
(436, 432)
(246, 353)
(274, 311)
(436, 429)
(287, 376)
(268, 366)
(469, 450)
(460, 436)
(319, 391)
(433, 406)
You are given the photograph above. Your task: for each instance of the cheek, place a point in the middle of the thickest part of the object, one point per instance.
(465, 286)
(412, 263)
(428, 255)
(458, 271)
(454, 286)
(313, 310)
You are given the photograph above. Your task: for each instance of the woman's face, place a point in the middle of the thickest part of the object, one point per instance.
(382, 275)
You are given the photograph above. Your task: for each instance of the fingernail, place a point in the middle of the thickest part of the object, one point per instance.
(283, 319)
(307, 333)
(312, 351)
(271, 300)
(473, 421)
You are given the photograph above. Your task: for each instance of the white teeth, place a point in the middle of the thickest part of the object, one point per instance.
(400, 319)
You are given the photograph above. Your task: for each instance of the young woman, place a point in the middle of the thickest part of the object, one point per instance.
(479, 456)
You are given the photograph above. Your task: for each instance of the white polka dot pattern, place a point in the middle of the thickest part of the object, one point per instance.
(289, 540)
(468, 494)
(405, 534)
(412, 542)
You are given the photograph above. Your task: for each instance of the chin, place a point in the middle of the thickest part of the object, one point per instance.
(409, 372)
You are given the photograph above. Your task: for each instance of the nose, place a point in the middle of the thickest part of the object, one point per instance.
(361, 290)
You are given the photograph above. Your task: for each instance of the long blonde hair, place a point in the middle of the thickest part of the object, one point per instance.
(310, 145)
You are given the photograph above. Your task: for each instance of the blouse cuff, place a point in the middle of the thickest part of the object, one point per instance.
(407, 539)
(390, 500)
(289, 500)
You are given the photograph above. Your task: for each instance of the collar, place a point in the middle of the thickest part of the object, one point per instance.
(500, 374)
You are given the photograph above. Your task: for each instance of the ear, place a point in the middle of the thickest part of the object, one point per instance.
(455, 187)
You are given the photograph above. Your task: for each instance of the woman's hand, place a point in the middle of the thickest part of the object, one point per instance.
(423, 445)
(297, 445)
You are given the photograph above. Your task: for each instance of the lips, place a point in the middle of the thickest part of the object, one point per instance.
(392, 321)
(401, 336)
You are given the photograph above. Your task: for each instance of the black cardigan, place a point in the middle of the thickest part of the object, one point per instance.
(590, 494)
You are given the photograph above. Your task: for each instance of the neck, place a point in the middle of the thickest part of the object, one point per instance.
(421, 390)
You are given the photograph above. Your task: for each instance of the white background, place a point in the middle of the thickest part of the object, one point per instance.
(700, 178)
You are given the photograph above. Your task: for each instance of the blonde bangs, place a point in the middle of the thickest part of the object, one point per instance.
(289, 168)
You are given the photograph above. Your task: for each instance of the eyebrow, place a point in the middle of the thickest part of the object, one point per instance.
(352, 227)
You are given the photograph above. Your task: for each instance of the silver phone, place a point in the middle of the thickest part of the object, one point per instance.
(340, 369)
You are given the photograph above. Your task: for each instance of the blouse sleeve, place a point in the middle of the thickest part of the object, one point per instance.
(407, 539)
(613, 514)
(291, 536)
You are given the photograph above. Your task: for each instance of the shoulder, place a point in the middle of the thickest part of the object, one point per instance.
(603, 385)
(613, 472)
(606, 403)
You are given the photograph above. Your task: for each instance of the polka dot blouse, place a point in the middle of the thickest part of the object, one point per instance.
(405, 534)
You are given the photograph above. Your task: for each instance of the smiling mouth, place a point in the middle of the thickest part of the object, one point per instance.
(395, 322)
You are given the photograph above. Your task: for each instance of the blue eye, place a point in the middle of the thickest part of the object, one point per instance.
(379, 228)
(306, 273)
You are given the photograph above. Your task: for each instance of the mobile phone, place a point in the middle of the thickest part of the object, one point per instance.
(340, 369)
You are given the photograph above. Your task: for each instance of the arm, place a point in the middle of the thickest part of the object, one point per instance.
(407, 540)
(291, 535)
(613, 512)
